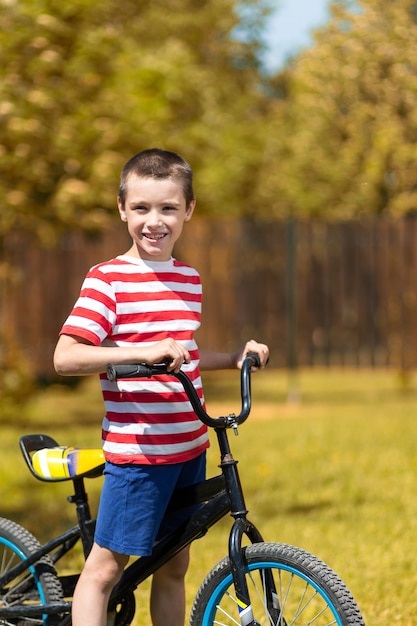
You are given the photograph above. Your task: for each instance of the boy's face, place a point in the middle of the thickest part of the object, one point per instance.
(155, 211)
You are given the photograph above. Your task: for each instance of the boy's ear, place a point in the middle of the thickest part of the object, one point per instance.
(190, 210)
(121, 208)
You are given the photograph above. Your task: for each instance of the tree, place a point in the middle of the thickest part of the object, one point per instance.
(86, 84)
(342, 141)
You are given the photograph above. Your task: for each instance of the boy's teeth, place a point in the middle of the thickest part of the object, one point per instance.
(155, 236)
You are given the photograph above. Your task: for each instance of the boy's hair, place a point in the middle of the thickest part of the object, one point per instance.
(159, 164)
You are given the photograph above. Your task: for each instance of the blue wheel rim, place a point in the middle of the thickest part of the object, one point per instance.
(31, 568)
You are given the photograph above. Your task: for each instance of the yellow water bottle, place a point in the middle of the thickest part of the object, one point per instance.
(66, 462)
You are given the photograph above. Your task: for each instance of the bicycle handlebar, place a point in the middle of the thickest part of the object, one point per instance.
(147, 371)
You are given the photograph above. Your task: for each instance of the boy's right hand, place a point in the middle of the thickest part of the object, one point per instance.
(170, 352)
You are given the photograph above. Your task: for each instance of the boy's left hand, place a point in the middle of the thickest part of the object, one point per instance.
(261, 350)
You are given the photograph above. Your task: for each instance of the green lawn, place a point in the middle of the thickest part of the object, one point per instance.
(334, 473)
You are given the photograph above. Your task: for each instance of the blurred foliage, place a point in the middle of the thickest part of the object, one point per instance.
(16, 374)
(343, 128)
(86, 84)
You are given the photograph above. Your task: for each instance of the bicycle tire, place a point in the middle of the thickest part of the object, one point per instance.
(307, 591)
(38, 584)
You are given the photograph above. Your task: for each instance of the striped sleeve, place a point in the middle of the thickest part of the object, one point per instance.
(94, 314)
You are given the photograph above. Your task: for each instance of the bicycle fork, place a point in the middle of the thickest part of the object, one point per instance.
(242, 526)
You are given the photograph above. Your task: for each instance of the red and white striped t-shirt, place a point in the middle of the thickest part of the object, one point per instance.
(133, 302)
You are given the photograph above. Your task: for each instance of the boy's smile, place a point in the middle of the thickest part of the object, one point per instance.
(155, 211)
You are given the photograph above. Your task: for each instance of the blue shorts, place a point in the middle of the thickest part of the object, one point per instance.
(133, 502)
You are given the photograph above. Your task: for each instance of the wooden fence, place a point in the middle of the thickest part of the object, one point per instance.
(317, 293)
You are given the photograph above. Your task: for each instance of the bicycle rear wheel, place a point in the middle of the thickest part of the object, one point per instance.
(305, 591)
(37, 585)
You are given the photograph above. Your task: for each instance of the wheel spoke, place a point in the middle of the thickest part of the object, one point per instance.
(221, 610)
(261, 593)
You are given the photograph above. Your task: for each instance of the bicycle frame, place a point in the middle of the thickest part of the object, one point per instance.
(212, 499)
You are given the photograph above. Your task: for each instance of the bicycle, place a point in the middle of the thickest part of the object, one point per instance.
(258, 584)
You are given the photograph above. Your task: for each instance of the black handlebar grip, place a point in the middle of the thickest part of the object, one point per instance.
(128, 371)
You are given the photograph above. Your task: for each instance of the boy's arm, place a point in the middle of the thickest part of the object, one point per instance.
(75, 356)
(225, 360)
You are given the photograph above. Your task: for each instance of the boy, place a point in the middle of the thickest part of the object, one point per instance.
(143, 307)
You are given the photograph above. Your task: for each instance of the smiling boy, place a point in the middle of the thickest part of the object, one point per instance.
(144, 306)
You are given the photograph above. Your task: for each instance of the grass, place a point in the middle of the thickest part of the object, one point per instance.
(334, 472)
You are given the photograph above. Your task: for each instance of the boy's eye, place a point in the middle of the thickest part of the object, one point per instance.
(169, 208)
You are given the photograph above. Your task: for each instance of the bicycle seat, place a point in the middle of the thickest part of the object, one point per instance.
(48, 461)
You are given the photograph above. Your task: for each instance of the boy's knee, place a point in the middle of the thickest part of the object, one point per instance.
(104, 567)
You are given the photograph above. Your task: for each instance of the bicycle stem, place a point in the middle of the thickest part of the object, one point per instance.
(231, 475)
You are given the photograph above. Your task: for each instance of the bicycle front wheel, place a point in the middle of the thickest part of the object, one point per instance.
(287, 586)
(39, 584)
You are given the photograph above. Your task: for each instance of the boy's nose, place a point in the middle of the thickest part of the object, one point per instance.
(154, 219)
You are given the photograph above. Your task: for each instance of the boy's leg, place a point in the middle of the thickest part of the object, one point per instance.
(168, 591)
(168, 585)
(102, 570)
